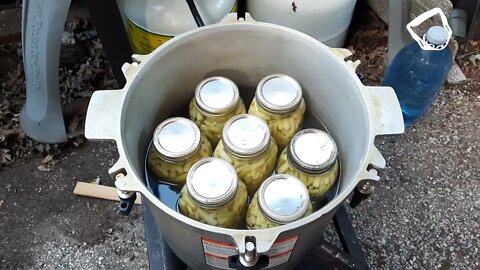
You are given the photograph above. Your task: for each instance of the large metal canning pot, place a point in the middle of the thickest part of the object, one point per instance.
(161, 82)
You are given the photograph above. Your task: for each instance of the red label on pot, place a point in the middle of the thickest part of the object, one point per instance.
(217, 253)
(281, 250)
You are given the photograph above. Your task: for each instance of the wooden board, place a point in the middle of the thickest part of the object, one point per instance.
(99, 191)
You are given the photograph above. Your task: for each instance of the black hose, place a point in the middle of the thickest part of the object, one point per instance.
(196, 15)
(241, 9)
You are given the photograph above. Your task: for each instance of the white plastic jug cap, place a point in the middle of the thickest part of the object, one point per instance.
(438, 42)
(437, 35)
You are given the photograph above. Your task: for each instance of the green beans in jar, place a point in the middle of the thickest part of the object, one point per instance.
(281, 199)
(247, 145)
(311, 156)
(177, 145)
(278, 100)
(216, 101)
(213, 194)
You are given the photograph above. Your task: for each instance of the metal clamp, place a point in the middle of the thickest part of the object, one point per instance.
(125, 206)
(249, 259)
(362, 191)
(127, 198)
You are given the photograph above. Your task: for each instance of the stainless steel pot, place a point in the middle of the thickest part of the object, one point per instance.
(246, 52)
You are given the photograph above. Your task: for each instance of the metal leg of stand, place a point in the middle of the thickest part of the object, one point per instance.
(160, 256)
(327, 256)
(348, 238)
(324, 256)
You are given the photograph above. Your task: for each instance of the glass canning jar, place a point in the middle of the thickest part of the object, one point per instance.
(216, 101)
(281, 199)
(311, 156)
(177, 145)
(278, 100)
(214, 195)
(247, 145)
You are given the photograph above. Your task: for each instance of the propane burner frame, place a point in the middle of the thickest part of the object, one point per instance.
(325, 256)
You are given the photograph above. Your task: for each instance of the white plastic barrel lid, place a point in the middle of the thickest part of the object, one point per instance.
(437, 35)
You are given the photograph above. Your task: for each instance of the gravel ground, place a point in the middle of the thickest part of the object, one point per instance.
(68, 253)
(423, 215)
(45, 226)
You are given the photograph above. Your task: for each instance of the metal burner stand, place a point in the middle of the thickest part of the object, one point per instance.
(324, 256)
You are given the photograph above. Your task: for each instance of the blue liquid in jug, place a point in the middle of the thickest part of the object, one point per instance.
(417, 77)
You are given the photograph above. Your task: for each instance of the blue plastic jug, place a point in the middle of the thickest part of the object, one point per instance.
(419, 70)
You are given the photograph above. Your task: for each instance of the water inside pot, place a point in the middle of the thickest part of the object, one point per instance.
(169, 194)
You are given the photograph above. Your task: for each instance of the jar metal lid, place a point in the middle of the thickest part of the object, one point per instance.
(312, 151)
(283, 198)
(212, 182)
(246, 135)
(279, 94)
(176, 139)
(216, 95)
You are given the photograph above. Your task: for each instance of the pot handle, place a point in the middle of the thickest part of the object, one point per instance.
(386, 115)
(385, 111)
(103, 123)
(386, 119)
(382, 102)
(103, 115)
